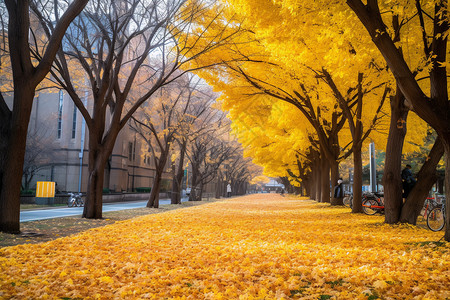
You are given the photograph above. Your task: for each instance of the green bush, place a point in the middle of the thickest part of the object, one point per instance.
(27, 192)
(143, 189)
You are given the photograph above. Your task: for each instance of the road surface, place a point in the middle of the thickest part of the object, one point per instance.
(42, 214)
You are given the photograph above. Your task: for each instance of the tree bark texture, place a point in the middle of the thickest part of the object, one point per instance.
(195, 193)
(392, 180)
(153, 201)
(447, 188)
(325, 181)
(12, 155)
(334, 178)
(98, 157)
(318, 181)
(357, 180)
(178, 179)
(425, 180)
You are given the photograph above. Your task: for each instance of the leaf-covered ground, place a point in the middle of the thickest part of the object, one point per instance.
(254, 247)
(46, 230)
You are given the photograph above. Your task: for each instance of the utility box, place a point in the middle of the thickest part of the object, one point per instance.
(45, 192)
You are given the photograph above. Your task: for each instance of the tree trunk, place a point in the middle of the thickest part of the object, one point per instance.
(425, 180)
(13, 137)
(392, 181)
(219, 186)
(311, 184)
(312, 189)
(153, 200)
(14, 125)
(299, 190)
(194, 196)
(94, 197)
(200, 192)
(357, 180)
(305, 188)
(93, 205)
(196, 193)
(446, 142)
(177, 184)
(318, 182)
(325, 180)
(334, 178)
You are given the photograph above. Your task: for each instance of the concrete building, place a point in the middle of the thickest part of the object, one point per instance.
(62, 128)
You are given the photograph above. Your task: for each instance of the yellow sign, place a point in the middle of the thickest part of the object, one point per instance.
(45, 189)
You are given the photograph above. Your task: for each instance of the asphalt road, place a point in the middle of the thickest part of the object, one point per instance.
(41, 214)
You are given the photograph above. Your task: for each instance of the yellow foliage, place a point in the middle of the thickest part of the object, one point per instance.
(253, 247)
(261, 179)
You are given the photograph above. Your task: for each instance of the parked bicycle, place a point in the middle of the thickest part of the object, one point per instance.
(428, 205)
(436, 216)
(371, 202)
(374, 203)
(75, 199)
(348, 200)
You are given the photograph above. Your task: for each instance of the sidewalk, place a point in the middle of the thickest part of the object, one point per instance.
(58, 212)
(49, 229)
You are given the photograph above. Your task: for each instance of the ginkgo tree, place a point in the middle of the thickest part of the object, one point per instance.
(342, 39)
(258, 70)
(120, 46)
(26, 76)
(237, 171)
(159, 122)
(272, 141)
(419, 72)
(302, 45)
(192, 124)
(430, 101)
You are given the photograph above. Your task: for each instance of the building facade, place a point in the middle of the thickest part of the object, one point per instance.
(58, 123)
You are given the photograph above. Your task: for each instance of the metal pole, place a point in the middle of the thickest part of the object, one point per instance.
(83, 133)
(187, 175)
(373, 168)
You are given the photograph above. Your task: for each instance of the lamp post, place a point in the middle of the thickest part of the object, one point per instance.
(373, 168)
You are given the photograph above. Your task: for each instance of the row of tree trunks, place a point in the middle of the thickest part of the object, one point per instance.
(434, 109)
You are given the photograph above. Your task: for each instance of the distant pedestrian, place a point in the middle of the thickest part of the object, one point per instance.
(408, 181)
(228, 190)
(338, 193)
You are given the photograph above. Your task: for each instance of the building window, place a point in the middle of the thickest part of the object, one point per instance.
(74, 121)
(60, 108)
(130, 151)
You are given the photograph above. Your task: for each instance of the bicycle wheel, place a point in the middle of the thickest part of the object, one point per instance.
(435, 219)
(367, 206)
(348, 201)
(71, 202)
